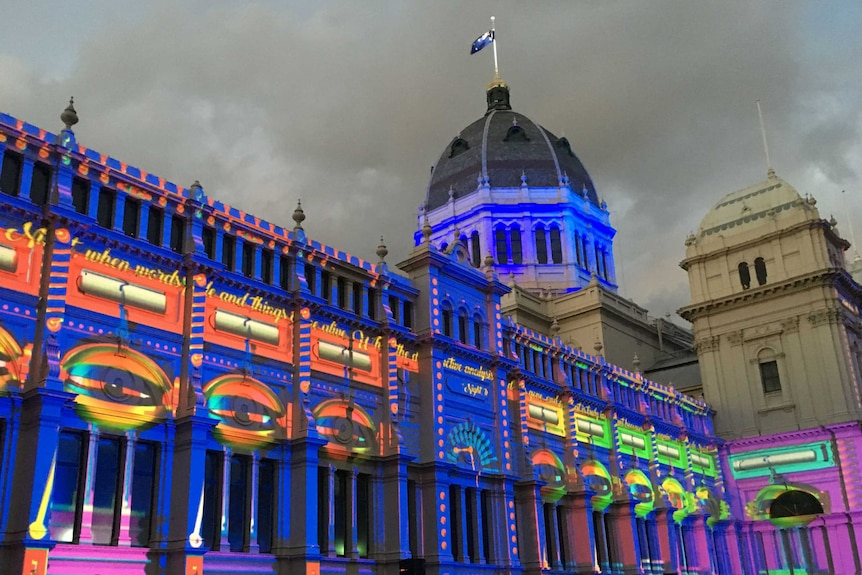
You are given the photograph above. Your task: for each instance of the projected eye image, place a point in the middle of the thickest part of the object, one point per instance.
(597, 478)
(641, 491)
(117, 389)
(250, 413)
(348, 427)
(550, 470)
(10, 353)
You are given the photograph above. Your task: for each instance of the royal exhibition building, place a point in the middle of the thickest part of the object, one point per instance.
(190, 389)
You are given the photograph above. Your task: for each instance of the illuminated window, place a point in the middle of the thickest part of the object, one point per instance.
(541, 246)
(760, 271)
(10, 174)
(80, 195)
(501, 246)
(208, 240)
(515, 238)
(556, 246)
(67, 496)
(769, 377)
(228, 252)
(131, 214)
(155, 221)
(105, 211)
(40, 184)
(178, 233)
(266, 270)
(475, 250)
(744, 275)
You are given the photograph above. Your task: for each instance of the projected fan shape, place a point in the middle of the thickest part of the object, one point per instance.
(470, 446)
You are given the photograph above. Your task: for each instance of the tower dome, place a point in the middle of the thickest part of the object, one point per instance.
(507, 187)
(504, 149)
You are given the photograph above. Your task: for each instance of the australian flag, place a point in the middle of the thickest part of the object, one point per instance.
(482, 41)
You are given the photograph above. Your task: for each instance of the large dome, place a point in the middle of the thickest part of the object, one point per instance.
(504, 147)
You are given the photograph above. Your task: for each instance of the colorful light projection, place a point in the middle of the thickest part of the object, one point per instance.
(347, 426)
(469, 446)
(19, 245)
(12, 361)
(678, 498)
(788, 504)
(598, 480)
(117, 387)
(785, 459)
(641, 490)
(551, 470)
(711, 505)
(250, 414)
(545, 414)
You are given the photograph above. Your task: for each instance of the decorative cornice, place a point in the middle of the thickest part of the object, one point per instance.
(825, 316)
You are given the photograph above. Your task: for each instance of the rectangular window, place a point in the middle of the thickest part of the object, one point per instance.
(284, 272)
(517, 256)
(550, 550)
(486, 525)
(107, 491)
(155, 224)
(238, 504)
(265, 504)
(324, 497)
(178, 233)
(311, 280)
(455, 521)
(208, 238)
(80, 195)
(105, 212)
(211, 520)
(408, 314)
(372, 303)
(363, 513)
(131, 214)
(472, 524)
(10, 174)
(68, 496)
(248, 250)
(40, 184)
(475, 250)
(462, 328)
(769, 377)
(357, 298)
(562, 527)
(393, 307)
(477, 334)
(266, 258)
(339, 500)
(228, 251)
(326, 286)
(412, 518)
(447, 322)
(342, 293)
(144, 484)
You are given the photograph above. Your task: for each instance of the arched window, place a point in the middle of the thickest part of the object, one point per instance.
(605, 264)
(744, 275)
(760, 271)
(586, 259)
(501, 246)
(462, 327)
(556, 246)
(541, 245)
(515, 238)
(578, 253)
(443, 246)
(447, 321)
(475, 250)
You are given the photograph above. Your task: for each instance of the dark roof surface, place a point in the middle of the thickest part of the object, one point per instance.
(503, 145)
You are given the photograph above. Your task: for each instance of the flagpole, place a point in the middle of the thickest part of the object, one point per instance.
(494, 42)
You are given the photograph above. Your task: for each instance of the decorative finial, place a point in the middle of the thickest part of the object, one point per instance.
(489, 260)
(585, 192)
(636, 363)
(512, 283)
(298, 216)
(426, 230)
(555, 327)
(382, 251)
(69, 116)
(197, 191)
(598, 347)
(451, 193)
(523, 177)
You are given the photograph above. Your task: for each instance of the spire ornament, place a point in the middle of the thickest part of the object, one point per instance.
(69, 117)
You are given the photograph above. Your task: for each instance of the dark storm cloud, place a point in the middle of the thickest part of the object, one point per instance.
(347, 105)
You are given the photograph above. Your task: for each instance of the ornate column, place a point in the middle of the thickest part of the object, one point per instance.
(623, 546)
(125, 538)
(353, 536)
(528, 501)
(464, 532)
(329, 551)
(478, 518)
(224, 540)
(253, 546)
(86, 534)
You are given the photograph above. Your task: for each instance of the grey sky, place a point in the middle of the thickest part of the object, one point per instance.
(347, 104)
